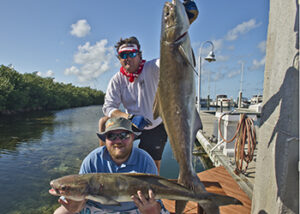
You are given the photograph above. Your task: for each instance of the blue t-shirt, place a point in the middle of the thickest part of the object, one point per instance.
(99, 161)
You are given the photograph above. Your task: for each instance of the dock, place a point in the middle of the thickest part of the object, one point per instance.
(217, 180)
(245, 181)
(220, 179)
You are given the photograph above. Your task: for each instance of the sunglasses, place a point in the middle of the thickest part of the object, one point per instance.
(124, 55)
(121, 136)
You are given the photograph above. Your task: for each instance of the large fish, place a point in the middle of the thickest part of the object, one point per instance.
(175, 96)
(113, 188)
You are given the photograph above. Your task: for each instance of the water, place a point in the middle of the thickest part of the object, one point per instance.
(38, 147)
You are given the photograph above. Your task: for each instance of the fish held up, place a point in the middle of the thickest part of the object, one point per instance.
(175, 98)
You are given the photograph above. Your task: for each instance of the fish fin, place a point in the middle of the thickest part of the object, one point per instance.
(105, 200)
(184, 54)
(197, 123)
(173, 184)
(179, 206)
(156, 112)
(187, 59)
(194, 58)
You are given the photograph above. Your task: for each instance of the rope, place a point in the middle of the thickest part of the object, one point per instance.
(245, 132)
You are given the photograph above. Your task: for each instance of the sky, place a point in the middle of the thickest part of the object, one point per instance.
(73, 41)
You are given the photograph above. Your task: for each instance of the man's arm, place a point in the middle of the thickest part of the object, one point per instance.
(112, 99)
(140, 122)
(118, 113)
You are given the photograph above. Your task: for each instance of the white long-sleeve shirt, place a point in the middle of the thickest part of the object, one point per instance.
(137, 97)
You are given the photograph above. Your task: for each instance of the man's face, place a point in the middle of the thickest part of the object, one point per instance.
(119, 145)
(130, 64)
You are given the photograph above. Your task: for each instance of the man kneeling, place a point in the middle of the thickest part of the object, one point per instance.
(117, 156)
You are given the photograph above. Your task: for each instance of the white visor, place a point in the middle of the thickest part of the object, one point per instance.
(128, 47)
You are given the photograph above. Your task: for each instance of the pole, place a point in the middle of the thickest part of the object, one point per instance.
(208, 85)
(199, 73)
(242, 73)
(199, 83)
(240, 99)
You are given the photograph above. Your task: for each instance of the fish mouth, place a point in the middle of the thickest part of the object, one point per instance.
(174, 33)
(54, 192)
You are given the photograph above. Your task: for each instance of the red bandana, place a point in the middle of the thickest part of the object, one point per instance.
(131, 76)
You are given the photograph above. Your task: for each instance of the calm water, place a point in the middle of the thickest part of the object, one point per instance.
(38, 147)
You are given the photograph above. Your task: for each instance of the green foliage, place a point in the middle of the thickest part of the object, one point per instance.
(25, 92)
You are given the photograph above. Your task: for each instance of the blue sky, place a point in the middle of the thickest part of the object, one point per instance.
(73, 40)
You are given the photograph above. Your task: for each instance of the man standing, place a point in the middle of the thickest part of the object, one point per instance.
(117, 156)
(134, 86)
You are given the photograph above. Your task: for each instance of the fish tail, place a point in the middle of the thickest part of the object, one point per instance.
(192, 182)
(211, 205)
(179, 206)
(210, 208)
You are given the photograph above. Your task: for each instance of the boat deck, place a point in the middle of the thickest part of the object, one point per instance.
(217, 180)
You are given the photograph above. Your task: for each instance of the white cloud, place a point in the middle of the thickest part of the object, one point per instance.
(231, 35)
(241, 29)
(233, 73)
(262, 46)
(93, 60)
(218, 43)
(256, 64)
(80, 29)
(49, 73)
(72, 70)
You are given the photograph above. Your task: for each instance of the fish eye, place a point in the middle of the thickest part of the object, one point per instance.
(63, 188)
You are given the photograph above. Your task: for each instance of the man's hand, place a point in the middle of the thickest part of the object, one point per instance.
(145, 206)
(139, 121)
(101, 127)
(191, 9)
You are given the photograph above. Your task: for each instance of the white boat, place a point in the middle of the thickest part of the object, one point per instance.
(256, 99)
(244, 102)
(256, 107)
(222, 98)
